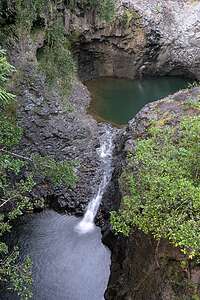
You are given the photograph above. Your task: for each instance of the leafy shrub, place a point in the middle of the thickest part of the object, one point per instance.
(59, 67)
(105, 9)
(10, 135)
(130, 15)
(162, 185)
(193, 84)
(5, 70)
(59, 172)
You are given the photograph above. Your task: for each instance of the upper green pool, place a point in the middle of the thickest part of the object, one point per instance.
(118, 100)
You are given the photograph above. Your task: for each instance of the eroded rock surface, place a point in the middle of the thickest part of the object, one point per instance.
(57, 127)
(146, 38)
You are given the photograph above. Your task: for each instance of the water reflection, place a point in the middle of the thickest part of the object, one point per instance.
(118, 100)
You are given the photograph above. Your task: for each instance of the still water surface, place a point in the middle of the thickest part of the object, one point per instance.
(118, 100)
(66, 265)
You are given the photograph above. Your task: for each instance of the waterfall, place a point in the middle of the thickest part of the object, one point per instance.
(105, 154)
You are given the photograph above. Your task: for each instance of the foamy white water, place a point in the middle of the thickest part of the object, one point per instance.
(105, 154)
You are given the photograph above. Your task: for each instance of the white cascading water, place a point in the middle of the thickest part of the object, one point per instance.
(105, 154)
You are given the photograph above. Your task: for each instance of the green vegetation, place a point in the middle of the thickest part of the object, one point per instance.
(59, 67)
(193, 103)
(105, 9)
(59, 172)
(17, 175)
(27, 12)
(162, 184)
(193, 84)
(16, 192)
(130, 15)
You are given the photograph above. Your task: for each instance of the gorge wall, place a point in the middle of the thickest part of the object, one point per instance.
(146, 38)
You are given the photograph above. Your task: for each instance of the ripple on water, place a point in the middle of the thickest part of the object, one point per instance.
(66, 265)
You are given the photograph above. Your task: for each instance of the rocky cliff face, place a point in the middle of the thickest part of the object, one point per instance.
(57, 127)
(143, 268)
(146, 38)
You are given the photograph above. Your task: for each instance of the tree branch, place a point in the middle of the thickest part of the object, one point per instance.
(16, 155)
(5, 202)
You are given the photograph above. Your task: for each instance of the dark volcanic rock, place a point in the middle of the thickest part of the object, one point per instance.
(146, 38)
(59, 128)
(63, 131)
